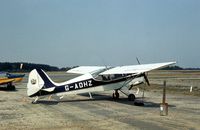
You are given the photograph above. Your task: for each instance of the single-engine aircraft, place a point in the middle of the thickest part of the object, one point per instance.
(93, 79)
(8, 79)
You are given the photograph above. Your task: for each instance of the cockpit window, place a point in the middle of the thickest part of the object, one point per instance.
(109, 77)
(95, 74)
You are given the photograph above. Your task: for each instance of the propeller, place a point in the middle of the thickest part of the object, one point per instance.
(147, 82)
(138, 60)
(146, 79)
(145, 75)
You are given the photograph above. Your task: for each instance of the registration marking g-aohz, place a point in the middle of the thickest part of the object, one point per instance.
(79, 85)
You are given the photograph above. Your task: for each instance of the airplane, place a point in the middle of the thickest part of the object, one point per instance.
(93, 79)
(8, 79)
(17, 77)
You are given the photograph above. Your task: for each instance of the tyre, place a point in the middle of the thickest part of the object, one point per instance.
(131, 97)
(11, 87)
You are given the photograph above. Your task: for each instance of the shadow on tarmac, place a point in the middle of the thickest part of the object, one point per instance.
(8, 90)
(98, 97)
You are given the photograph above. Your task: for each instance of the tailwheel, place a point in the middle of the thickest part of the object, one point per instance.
(131, 97)
(35, 101)
(116, 95)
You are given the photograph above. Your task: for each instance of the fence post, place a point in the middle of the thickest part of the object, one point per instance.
(164, 105)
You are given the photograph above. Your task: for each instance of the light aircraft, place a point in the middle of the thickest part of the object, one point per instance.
(8, 79)
(93, 79)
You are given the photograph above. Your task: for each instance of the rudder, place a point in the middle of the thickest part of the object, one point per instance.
(38, 80)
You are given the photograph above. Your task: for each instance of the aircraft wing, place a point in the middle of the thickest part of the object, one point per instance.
(85, 69)
(136, 69)
(5, 81)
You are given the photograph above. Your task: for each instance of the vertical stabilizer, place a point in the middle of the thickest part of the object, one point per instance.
(38, 80)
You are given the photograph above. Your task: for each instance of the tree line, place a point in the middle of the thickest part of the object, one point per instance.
(15, 67)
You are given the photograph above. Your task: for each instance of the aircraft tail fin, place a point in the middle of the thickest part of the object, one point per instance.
(38, 80)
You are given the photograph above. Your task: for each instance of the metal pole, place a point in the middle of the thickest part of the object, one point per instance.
(164, 92)
(164, 105)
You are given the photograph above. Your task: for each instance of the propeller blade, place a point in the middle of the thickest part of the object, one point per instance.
(138, 60)
(146, 79)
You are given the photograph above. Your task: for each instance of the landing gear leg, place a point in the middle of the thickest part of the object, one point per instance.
(49, 98)
(116, 95)
(90, 95)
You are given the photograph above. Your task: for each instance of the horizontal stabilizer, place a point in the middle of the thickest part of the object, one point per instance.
(49, 89)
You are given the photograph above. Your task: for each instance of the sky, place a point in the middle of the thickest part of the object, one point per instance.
(100, 32)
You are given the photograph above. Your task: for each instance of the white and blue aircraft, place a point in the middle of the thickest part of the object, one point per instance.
(93, 79)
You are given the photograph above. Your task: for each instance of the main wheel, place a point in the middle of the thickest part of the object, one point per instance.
(131, 97)
(10, 86)
(116, 95)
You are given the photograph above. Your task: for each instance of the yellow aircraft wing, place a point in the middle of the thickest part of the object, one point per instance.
(5, 81)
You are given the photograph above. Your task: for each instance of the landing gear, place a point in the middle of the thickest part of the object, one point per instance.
(128, 93)
(10, 86)
(116, 95)
(131, 97)
(90, 95)
(35, 101)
